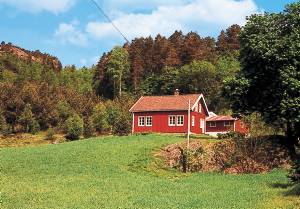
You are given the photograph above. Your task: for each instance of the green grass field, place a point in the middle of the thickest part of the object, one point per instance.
(120, 172)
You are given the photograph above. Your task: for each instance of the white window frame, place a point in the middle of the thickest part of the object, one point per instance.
(202, 123)
(139, 121)
(193, 120)
(200, 107)
(212, 122)
(169, 120)
(179, 116)
(230, 123)
(148, 117)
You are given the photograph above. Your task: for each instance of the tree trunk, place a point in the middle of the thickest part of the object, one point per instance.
(120, 86)
(291, 139)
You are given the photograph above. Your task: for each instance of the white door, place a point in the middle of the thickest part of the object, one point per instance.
(202, 124)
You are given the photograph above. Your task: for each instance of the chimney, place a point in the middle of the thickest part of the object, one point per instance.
(176, 92)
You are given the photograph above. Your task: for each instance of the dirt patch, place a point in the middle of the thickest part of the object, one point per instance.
(228, 156)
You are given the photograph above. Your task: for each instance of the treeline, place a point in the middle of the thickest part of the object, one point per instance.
(35, 97)
(157, 66)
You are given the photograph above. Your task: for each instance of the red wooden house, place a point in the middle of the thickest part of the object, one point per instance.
(170, 114)
(223, 124)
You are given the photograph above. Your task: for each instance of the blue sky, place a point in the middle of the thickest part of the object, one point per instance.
(75, 31)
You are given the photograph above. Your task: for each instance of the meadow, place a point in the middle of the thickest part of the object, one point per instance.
(122, 172)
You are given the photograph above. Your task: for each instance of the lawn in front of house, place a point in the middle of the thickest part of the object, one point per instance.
(121, 172)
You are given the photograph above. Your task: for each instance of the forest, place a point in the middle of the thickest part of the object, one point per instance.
(251, 72)
(38, 96)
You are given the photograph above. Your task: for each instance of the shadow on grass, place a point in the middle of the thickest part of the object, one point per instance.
(292, 189)
(281, 185)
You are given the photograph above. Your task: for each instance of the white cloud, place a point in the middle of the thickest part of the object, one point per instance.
(67, 33)
(138, 5)
(54, 6)
(184, 15)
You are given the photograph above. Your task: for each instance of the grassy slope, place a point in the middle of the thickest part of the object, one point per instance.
(118, 172)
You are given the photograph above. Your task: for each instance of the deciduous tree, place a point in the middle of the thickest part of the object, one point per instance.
(269, 80)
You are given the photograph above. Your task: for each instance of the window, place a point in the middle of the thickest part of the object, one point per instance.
(179, 120)
(196, 108)
(149, 121)
(200, 107)
(228, 123)
(212, 124)
(193, 120)
(172, 120)
(141, 121)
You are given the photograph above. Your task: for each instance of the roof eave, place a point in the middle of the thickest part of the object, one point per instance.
(169, 110)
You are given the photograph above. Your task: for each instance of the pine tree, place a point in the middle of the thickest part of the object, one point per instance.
(222, 45)
(136, 67)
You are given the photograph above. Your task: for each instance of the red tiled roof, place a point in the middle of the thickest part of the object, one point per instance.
(220, 118)
(164, 103)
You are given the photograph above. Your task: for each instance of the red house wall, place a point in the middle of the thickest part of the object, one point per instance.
(160, 122)
(241, 127)
(219, 127)
(196, 128)
(238, 127)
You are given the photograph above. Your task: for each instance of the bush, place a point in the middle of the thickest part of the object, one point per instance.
(230, 135)
(250, 155)
(3, 125)
(74, 127)
(229, 156)
(122, 124)
(26, 118)
(89, 129)
(295, 172)
(100, 118)
(191, 159)
(257, 126)
(64, 110)
(34, 127)
(50, 134)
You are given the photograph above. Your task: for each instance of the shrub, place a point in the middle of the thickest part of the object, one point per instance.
(50, 134)
(64, 110)
(295, 172)
(122, 124)
(34, 127)
(258, 128)
(230, 135)
(74, 127)
(250, 155)
(3, 125)
(100, 118)
(89, 129)
(191, 159)
(26, 118)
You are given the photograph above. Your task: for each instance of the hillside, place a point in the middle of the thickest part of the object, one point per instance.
(120, 172)
(33, 56)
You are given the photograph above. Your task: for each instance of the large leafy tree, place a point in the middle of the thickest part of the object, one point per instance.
(199, 77)
(269, 81)
(118, 68)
